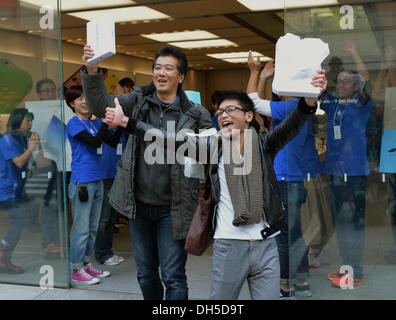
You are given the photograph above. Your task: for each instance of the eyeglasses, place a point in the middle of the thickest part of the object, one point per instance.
(48, 90)
(341, 81)
(228, 110)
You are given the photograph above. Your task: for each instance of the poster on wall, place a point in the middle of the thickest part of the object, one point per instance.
(15, 84)
(47, 123)
(388, 143)
(110, 81)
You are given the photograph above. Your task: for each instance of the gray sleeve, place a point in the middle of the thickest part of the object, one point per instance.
(205, 121)
(98, 99)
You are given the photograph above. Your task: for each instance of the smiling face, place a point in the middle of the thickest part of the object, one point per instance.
(345, 86)
(235, 120)
(166, 75)
(80, 107)
(26, 124)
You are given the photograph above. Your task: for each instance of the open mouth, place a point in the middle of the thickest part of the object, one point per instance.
(227, 124)
(162, 81)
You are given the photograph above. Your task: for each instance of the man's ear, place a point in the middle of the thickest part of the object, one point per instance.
(181, 78)
(249, 116)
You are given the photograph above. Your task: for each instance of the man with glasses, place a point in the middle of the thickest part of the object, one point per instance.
(247, 212)
(157, 198)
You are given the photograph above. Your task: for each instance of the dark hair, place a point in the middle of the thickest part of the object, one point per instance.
(245, 102)
(43, 81)
(182, 64)
(72, 94)
(126, 82)
(16, 117)
(216, 96)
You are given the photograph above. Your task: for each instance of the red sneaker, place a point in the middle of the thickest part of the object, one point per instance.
(337, 282)
(334, 275)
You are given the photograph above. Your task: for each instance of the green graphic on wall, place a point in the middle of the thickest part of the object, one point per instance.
(15, 84)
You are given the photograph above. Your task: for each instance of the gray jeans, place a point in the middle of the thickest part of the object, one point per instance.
(235, 261)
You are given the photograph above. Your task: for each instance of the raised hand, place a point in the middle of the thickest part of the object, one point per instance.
(318, 81)
(253, 64)
(268, 70)
(88, 54)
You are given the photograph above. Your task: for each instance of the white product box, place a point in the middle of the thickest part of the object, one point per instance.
(101, 37)
(296, 62)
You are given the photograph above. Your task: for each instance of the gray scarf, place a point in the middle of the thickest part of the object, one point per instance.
(244, 179)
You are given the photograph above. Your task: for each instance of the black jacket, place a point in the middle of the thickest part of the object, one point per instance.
(270, 144)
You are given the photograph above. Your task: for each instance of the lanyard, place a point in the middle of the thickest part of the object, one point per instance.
(335, 114)
(93, 130)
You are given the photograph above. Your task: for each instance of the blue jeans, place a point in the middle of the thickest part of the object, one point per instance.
(153, 246)
(104, 236)
(349, 223)
(20, 219)
(86, 217)
(293, 252)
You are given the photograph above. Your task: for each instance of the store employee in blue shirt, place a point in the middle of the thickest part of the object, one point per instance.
(346, 164)
(16, 148)
(86, 187)
(104, 237)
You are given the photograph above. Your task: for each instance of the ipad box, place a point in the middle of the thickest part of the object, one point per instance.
(101, 37)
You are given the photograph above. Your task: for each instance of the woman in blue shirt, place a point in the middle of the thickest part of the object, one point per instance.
(15, 152)
(86, 187)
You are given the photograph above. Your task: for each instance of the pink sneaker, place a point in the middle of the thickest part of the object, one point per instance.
(95, 272)
(81, 276)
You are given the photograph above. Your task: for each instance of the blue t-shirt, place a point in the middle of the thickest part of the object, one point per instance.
(348, 121)
(11, 176)
(86, 162)
(110, 157)
(299, 157)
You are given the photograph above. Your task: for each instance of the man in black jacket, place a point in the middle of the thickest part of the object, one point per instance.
(247, 212)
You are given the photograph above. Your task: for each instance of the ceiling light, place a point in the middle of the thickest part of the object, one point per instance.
(231, 55)
(76, 4)
(261, 5)
(245, 60)
(181, 36)
(203, 44)
(124, 14)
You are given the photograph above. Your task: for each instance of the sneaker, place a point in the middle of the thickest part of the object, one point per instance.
(81, 276)
(113, 261)
(95, 272)
(287, 294)
(334, 275)
(337, 282)
(51, 249)
(119, 258)
(303, 290)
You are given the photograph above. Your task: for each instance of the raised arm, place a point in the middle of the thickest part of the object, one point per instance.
(254, 67)
(350, 47)
(95, 91)
(266, 73)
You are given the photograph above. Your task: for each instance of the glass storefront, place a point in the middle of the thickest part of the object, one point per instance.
(342, 208)
(342, 215)
(32, 182)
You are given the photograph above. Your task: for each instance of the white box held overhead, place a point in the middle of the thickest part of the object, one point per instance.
(296, 62)
(101, 37)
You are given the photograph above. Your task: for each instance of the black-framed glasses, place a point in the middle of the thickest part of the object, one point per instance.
(228, 109)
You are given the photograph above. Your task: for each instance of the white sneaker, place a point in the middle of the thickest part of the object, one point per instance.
(113, 261)
(119, 258)
(81, 276)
